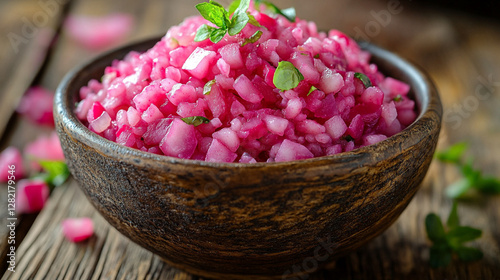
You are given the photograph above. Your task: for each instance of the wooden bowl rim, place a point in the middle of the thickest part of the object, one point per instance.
(426, 95)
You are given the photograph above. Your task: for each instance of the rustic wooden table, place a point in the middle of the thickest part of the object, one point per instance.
(460, 51)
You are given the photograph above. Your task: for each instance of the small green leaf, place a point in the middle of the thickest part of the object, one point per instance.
(316, 56)
(439, 256)
(208, 87)
(57, 172)
(489, 185)
(313, 88)
(253, 21)
(203, 33)
(254, 38)
(462, 234)
(469, 254)
(348, 138)
(287, 76)
(233, 6)
(196, 121)
(238, 22)
(213, 12)
(289, 13)
(364, 79)
(243, 6)
(434, 227)
(453, 220)
(453, 154)
(217, 35)
(398, 98)
(459, 188)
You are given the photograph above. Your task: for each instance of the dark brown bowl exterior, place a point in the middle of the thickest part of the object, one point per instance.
(250, 221)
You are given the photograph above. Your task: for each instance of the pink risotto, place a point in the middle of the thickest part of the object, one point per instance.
(219, 102)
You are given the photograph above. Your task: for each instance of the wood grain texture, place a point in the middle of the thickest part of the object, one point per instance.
(455, 48)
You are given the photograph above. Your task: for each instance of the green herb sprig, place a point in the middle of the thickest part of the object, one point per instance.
(364, 79)
(287, 76)
(446, 243)
(226, 24)
(290, 14)
(473, 179)
(55, 173)
(196, 120)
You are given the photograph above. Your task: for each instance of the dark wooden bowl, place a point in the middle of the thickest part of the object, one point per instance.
(250, 221)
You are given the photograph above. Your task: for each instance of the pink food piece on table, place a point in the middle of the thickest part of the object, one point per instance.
(11, 157)
(36, 105)
(45, 147)
(77, 229)
(99, 32)
(31, 196)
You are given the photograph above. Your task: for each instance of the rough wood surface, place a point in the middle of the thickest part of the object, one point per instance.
(458, 50)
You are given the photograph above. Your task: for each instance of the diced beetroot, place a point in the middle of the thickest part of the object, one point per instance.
(331, 82)
(219, 153)
(394, 87)
(335, 127)
(328, 108)
(237, 108)
(372, 95)
(152, 94)
(95, 112)
(101, 123)
(199, 62)
(247, 158)
(180, 140)
(125, 137)
(216, 102)
(232, 56)
(36, 105)
(335, 149)
(310, 127)
(246, 89)
(182, 93)
(289, 151)
(44, 148)
(77, 229)
(133, 116)
(11, 165)
(152, 114)
(156, 131)
(224, 68)
(305, 65)
(31, 196)
(228, 137)
(355, 129)
(186, 109)
(373, 139)
(406, 116)
(276, 125)
(293, 108)
(389, 113)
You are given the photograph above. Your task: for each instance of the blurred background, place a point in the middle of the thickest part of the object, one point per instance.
(456, 42)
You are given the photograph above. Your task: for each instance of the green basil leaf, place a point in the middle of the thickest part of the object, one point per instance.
(453, 154)
(453, 219)
(213, 13)
(434, 227)
(287, 76)
(238, 22)
(57, 172)
(242, 7)
(254, 38)
(439, 256)
(196, 121)
(364, 79)
(233, 6)
(462, 234)
(489, 185)
(459, 188)
(253, 21)
(289, 13)
(203, 33)
(313, 88)
(208, 87)
(398, 98)
(469, 254)
(217, 34)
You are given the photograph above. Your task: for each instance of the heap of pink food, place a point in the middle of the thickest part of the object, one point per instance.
(142, 99)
